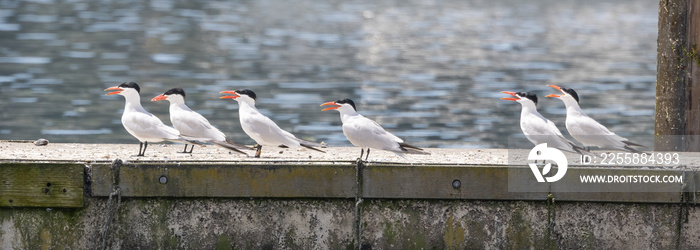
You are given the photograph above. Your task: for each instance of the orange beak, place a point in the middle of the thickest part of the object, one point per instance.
(159, 98)
(556, 87)
(335, 106)
(510, 93)
(232, 94)
(117, 88)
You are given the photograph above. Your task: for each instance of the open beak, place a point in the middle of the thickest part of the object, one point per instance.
(556, 87)
(159, 98)
(116, 88)
(232, 94)
(335, 106)
(510, 93)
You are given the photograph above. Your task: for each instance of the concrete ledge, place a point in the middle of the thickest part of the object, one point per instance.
(227, 180)
(314, 179)
(378, 181)
(402, 181)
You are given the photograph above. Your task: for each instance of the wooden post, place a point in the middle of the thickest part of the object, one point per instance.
(693, 66)
(678, 76)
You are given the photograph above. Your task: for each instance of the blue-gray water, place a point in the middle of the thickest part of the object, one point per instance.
(429, 71)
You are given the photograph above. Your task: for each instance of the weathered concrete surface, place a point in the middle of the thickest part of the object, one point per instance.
(690, 219)
(317, 223)
(508, 225)
(156, 223)
(183, 224)
(168, 152)
(394, 224)
(616, 226)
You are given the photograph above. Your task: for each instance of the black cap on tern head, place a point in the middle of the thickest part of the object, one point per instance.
(528, 95)
(132, 85)
(348, 101)
(247, 92)
(174, 91)
(570, 92)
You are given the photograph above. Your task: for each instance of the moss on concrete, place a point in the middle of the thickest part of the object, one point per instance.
(42, 228)
(223, 243)
(518, 232)
(454, 235)
(216, 223)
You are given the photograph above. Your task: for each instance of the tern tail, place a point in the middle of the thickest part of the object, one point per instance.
(232, 146)
(408, 149)
(629, 143)
(312, 145)
(628, 148)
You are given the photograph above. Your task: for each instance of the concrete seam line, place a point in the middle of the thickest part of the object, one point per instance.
(358, 203)
(111, 210)
(682, 209)
(551, 220)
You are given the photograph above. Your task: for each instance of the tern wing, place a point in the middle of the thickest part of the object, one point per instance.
(591, 133)
(147, 127)
(539, 129)
(195, 125)
(363, 132)
(584, 125)
(266, 132)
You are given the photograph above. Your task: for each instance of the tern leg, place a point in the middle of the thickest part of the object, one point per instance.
(362, 152)
(258, 151)
(145, 145)
(367, 157)
(184, 151)
(140, 147)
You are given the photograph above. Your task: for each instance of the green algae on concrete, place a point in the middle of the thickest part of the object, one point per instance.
(454, 233)
(44, 228)
(189, 223)
(518, 232)
(226, 223)
(223, 243)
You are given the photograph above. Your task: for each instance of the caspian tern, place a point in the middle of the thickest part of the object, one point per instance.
(536, 127)
(366, 133)
(261, 128)
(586, 130)
(141, 124)
(193, 124)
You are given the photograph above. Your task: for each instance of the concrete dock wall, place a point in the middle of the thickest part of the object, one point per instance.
(342, 205)
(231, 223)
(309, 200)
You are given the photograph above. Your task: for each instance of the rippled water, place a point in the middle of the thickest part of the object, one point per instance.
(429, 71)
